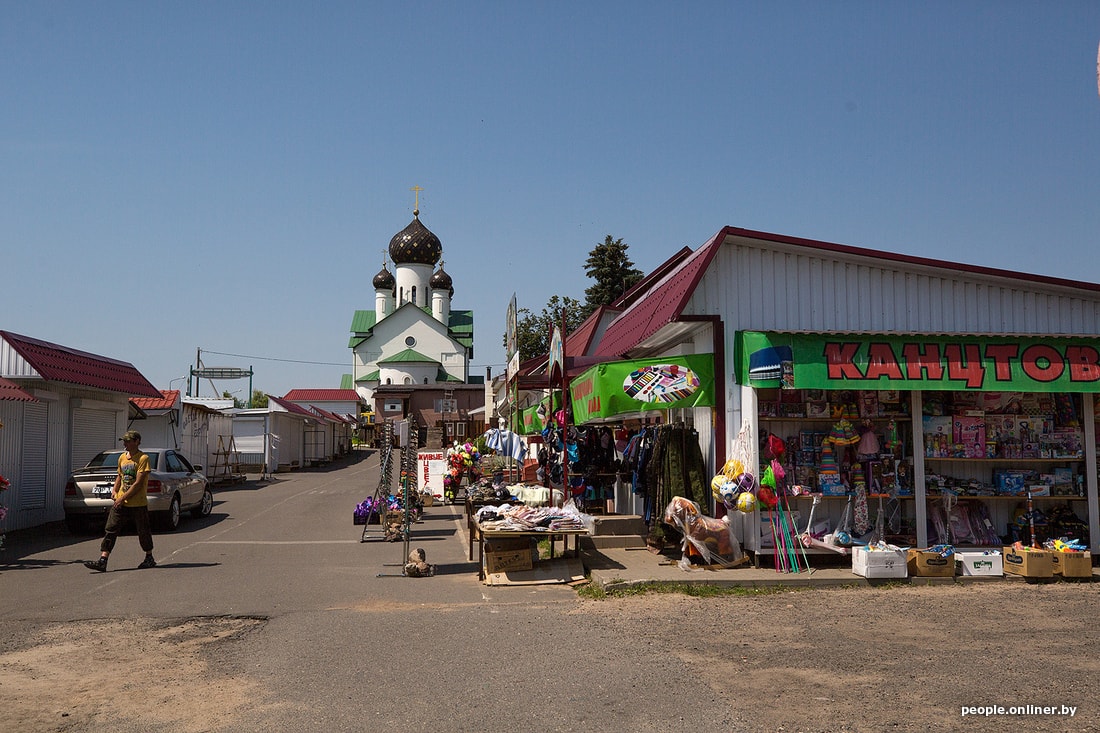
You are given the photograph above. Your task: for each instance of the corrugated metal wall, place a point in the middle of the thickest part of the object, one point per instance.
(766, 286)
(771, 287)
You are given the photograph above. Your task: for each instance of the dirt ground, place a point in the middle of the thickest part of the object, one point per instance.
(896, 658)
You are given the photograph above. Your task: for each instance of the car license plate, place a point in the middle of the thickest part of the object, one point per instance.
(102, 492)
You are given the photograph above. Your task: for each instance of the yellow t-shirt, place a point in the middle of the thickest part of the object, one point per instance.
(130, 469)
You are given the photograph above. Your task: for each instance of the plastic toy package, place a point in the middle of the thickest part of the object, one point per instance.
(712, 540)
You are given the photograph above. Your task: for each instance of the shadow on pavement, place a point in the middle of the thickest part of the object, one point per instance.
(22, 543)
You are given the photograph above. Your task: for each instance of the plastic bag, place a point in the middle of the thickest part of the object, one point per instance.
(711, 539)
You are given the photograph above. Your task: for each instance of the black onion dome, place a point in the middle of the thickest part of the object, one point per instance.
(384, 280)
(415, 245)
(441, 280)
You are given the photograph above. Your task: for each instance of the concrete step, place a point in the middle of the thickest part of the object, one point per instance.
(619, 524)
(586, 542)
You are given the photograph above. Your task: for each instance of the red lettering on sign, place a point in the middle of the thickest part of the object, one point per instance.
(1084, 363)
(839, 360)
(1043, 363)
(964, 361)
(881, 362)
(1002, 356)
(923, 359)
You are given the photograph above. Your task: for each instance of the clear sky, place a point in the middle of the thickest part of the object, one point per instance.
(225, 176)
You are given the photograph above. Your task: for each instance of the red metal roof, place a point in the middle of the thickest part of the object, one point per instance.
(11, 391)
(322, 395)
(166, 401)
(329, 415)
(658, 306)
(291, 407)
(61, 364)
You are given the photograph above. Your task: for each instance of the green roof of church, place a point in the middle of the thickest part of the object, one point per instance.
(408, 356)
(372, 377)
(346, 382)
(460, 326)
(443, 376)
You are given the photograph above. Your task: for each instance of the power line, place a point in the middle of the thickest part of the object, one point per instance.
(318, 363)
(274, 358)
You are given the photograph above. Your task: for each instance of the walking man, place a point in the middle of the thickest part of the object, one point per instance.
(130, 501)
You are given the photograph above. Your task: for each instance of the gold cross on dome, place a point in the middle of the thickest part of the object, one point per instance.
(416, 190)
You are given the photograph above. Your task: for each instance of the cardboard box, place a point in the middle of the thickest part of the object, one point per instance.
(980, 563)
(1029, 563)
(1072, 564)
(924, 564)
(508, 560)
(879, 563)
(503, 554)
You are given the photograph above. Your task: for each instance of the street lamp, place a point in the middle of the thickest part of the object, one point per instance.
(174, 380)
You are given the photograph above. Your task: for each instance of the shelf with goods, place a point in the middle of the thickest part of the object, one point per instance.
(967, 464)
(984, 452)
(823, 433)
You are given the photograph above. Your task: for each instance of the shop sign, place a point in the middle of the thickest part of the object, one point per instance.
(916, 362)
(662, 383)
(431, 467)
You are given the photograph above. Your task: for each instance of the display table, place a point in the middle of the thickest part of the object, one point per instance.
(472, 505)
(485, 534)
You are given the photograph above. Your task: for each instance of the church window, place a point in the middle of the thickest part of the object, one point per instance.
(413, 298)
(410, 341)
(408, 380)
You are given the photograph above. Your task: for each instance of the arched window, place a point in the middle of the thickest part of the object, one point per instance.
(425, 380)
(413, 298)
(389, 381)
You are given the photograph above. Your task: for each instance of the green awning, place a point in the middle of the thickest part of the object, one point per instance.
(918, 362)
(625, 387)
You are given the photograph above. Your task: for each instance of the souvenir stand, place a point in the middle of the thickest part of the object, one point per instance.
(924, 440)
(663, 458)
(386, 516)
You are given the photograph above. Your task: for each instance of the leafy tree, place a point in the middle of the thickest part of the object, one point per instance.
(610, 266)
(533, 331)
(259, 399)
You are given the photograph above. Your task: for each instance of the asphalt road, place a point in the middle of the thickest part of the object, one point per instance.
(341, 640)
(271, 615)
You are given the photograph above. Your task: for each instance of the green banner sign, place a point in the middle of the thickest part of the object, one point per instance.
(918, 362)
(624, 387)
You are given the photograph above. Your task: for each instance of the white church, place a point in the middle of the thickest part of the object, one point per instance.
(412, 353)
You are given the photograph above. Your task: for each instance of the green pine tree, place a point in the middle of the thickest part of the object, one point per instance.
(610, 266)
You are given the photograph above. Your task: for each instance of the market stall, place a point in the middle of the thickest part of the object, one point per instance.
(922, 439)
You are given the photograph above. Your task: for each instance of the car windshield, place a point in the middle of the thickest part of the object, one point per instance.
(109, 459)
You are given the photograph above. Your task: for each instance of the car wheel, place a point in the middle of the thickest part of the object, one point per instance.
(170, 519)
(205, 506)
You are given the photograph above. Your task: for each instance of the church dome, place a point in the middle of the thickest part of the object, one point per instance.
(441, 280)
(384, 280)
(415, 245)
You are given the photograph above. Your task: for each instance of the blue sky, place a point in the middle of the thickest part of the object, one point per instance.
(225, 176)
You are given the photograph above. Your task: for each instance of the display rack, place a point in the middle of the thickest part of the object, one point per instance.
(227, 462)
(947, 452)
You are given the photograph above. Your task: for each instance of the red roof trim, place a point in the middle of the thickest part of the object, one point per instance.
(62, 364)
(291, 407)
(660, 305)
(907, 259)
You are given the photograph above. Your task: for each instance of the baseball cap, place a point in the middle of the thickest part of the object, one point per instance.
(131, 435)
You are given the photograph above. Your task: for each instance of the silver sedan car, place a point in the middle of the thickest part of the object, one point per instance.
(175, 486)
